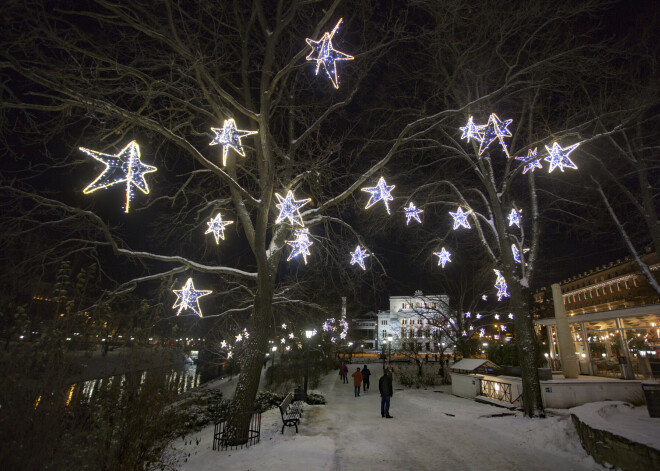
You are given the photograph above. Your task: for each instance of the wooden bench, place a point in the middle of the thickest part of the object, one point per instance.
(291, 411)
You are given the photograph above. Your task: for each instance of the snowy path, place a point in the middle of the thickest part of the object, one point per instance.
(430, 431)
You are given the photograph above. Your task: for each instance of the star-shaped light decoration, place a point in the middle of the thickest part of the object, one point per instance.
(324, 54)
(472, 131)
(478, 316)
(510, 316)
(514, 217)
(495, 129)
(284, 326)
(230, 354)
(188, 298)
(290, 209)
(497, 316)
(460, 218)
(468, 314)
(559, 157)
(503, 328)
(217, 227)
(282, 341)
(239, 337)
(482, 332)
(484, 297)
(515, 252)
(501, 286)
(379, 192)
(229, 137)
(291, 336)
(300, 244)
(464, 333)
(531, 161)
(119, 168)
(443, 257)
(358, 256)
(223, 344)
(413, 213)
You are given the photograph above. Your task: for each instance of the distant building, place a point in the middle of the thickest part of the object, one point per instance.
(614, 317)
(408, 321)
(363, 330)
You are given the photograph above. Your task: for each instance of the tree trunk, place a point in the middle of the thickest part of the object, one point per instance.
(527, 354)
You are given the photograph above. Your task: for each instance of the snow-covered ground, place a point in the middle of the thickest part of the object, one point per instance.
(430, 430)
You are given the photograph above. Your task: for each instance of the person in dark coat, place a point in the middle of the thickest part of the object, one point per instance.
(365, 378)
(386, 393)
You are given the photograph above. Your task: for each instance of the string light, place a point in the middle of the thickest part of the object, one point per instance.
(531, 162)
(460, 218)
(443, 257)
(324, 54)
(559, 157)
(300, 244)
(514, 218)
(471, 131)
(501, 286)
(358, 256)
(217, 227)
(188, 298)
(379, 192)
(119, 168)
(495, 129)
(290, 209)
(516, 253)
(230, 137)
(413, 213)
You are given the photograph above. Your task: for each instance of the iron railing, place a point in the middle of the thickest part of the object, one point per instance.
(496, 390)
(247, 431)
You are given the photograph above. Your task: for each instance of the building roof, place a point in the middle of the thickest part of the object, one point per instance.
(469, 365)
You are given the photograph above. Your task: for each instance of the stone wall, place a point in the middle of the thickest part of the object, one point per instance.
(610, 449)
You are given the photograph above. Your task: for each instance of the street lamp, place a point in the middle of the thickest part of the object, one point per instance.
(272, 363)
(308, 334)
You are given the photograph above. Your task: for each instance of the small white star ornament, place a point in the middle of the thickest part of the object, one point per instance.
(300, 244)
(413, 213)
(290, 209)
(230, 137)
(217, 227)
(559, 157)
(460, 218)
(358, 257)
(188, 298)
(471, 131)
(380, 192)
(119, 168)
(324, 54)
(443, 257)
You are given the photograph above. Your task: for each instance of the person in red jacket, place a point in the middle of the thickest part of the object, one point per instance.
(357, 381)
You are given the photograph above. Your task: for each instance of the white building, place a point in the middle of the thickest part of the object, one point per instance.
(408, 321)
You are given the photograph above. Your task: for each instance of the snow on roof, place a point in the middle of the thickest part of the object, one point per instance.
(471, 364)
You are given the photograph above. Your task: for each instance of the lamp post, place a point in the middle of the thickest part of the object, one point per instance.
(272, 363)
(308, 334)
(389, 348)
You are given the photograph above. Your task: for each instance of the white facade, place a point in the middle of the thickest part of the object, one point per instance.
(408, 321)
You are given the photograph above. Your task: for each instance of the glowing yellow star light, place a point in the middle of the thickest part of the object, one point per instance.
(188, 298)
(290, 209)
(380, 192)
(326, 55)
(119, 168)
(228, 137)
(217, 227)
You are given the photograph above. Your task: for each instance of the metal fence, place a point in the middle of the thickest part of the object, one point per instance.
(245, 432)
(496, 390)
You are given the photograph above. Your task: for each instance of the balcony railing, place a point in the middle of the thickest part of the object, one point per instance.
(496, 390)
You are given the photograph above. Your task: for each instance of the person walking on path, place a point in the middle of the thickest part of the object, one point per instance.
(386, 393)
(357, 381)
(344, 373)
(365, 378)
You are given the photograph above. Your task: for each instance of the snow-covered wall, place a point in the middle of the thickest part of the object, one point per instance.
(467, 386)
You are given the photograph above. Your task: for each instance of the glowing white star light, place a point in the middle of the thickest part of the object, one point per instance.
(471, 131)
(188, 298)
(358, 256)
(300, 244)
(497, 316)
(230, 137)
(290, 209)
(531, 161)
(380, 192)
(559, 157)
(223, 344)
(443, 257)
(468, 314)
(460, 218)
(324, 54)
(119, 168)
(291, 336)
(510, 316)
(413, 213)
(284, 326)
(514, 218)
(515, 252)
(217, 227)
(501, 286)
(482, 332)
(484, 297)
(495, 129)
(478, 316)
